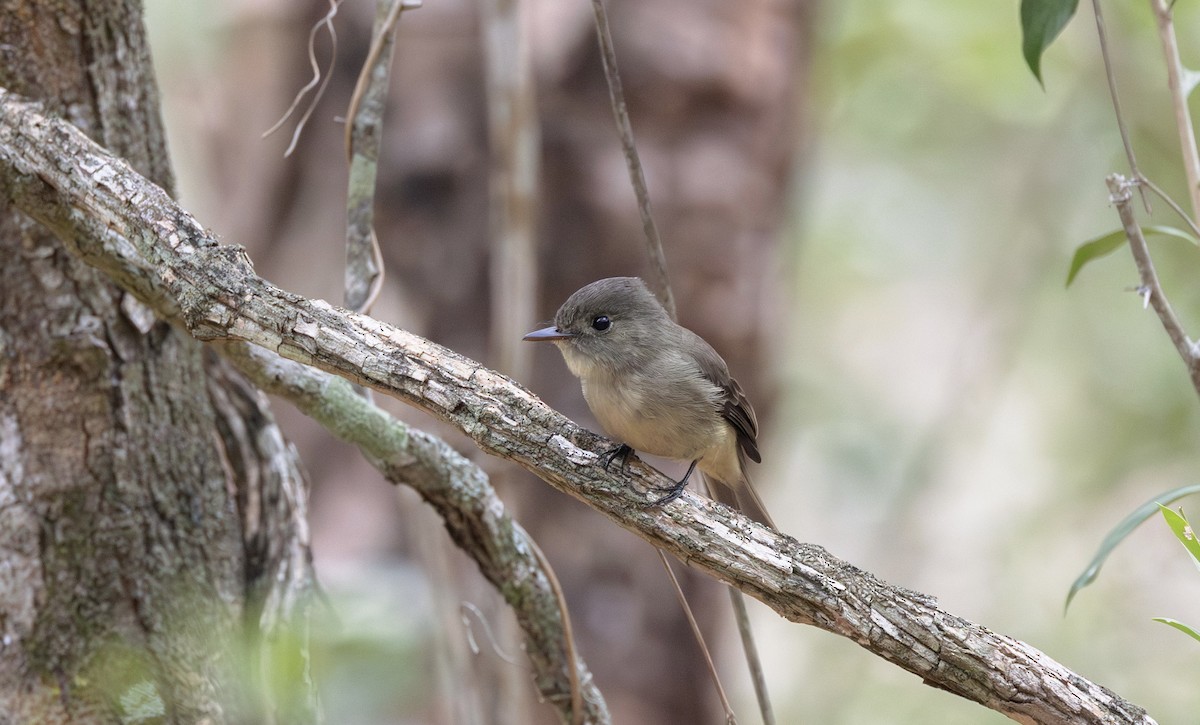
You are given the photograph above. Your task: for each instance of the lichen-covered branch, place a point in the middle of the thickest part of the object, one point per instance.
(461, 494)
(124, 225)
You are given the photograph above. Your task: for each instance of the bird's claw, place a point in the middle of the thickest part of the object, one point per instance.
(673, 492)
(622, 451)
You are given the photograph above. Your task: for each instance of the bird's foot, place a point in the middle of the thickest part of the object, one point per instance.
(674, 491)
(622, 451)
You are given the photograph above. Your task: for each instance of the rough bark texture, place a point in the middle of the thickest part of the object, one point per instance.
(124, 575)
(131, 230)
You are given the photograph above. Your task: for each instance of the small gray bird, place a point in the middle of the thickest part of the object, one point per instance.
(658, 387)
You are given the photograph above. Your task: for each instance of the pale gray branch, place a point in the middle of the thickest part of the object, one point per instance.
(1179, 83)
(1120, 193)
(364, 129)
(122, 224)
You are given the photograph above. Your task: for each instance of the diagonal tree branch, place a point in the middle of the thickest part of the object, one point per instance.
(122, 224)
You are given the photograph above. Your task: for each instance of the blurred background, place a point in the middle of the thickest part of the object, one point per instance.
(868, 208)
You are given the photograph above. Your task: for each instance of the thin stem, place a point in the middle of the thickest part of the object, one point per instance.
(319, 81)
(616, 97)
(658, 262)
(691, 618)
(1183, 117)
(1143, 181)
(757, 676)
(1116, 99)
(568, 632)
(1120, 195)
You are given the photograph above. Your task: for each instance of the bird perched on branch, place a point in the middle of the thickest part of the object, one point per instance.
(658, 387)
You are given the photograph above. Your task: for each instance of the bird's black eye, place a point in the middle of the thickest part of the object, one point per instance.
(601, 323)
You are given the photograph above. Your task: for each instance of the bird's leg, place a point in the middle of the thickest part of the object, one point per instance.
(674, 492)
(622, 451)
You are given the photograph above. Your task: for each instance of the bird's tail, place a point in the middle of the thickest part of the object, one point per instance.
(742, 497)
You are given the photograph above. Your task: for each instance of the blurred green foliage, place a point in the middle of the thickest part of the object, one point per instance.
(1183, 531)
(958, 422)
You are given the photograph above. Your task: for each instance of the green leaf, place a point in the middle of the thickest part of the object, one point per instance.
(1041, 22)
(1180, 626)
(1107, 244)
(1183, 531)
(1094, 249)
(1120, 531)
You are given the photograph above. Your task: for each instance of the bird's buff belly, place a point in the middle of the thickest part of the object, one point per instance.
(655, 427)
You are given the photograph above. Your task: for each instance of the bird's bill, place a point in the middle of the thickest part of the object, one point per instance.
(547, 333)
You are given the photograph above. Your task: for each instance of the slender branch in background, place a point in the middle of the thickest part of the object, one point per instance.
(1143, 181)
(514, 138)
(578, 714)
(757, 675)
(465, 500)
(616, 96)
(1119, 186)
(1120, 195)
(326, 21)
(364, 130)
(116, 220)
(698, 636)
(514, 146)
(1181, 82)
(1116, 100)
(658, 263)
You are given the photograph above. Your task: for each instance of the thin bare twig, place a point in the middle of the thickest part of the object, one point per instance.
(616, 96)
(757, 674)
(698, 636)
(1102, 34)
(318, 78)
(1143, 181)
(1178, 83)
(487, 630)
(373, 75)
(1119, 189)
(568, 638)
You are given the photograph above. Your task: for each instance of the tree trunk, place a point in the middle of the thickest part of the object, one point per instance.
(142, 515)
